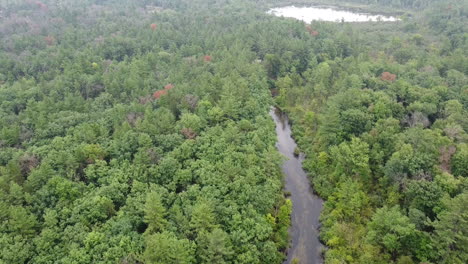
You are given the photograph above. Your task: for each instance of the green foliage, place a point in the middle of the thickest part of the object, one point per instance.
(351, 159)
(95, 169)
(167, 248)
(460, 161)
(284, 215)
(451, 230)
(214, 247)
(387, 154)
(203, 218)
(154, 213)
(390, 230)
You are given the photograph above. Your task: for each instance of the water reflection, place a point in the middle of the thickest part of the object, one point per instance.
(308, 14)
(305, 244)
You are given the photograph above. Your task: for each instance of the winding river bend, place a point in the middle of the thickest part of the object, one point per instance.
(305, 244)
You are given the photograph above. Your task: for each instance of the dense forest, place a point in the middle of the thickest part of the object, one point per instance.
(138, 131)
(134, 134)
(381, 110)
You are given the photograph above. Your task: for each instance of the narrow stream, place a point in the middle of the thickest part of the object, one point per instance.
(304, 234)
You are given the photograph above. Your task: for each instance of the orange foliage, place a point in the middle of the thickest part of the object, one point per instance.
(160, 93)
(386, 76)
(207, 58)
(168, 86)
(154, 27)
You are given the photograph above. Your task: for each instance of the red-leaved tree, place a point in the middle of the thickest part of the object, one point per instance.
(386, 76)
(207, 58)
(168, 86)
(160, 93)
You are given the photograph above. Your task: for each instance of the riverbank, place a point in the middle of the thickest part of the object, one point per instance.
(304, 232)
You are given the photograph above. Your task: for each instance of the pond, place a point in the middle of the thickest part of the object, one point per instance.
(308, 14)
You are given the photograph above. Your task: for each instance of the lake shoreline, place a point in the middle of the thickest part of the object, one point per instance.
(351, 7)
(328, 14)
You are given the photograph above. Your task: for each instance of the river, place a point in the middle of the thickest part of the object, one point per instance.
(304, 233)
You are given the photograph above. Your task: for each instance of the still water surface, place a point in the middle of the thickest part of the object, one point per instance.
(305, 244)
(308, 14)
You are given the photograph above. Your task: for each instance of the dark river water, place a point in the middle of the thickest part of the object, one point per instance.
(304, 234)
